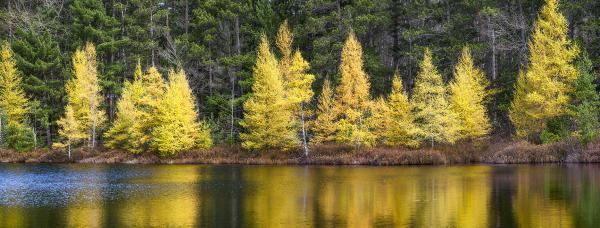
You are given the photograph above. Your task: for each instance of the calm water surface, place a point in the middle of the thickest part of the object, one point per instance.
(280, 196)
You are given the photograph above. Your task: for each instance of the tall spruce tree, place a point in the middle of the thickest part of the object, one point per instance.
(267, 118)
(467, 98)
(586, 101)
(434, 117)
(352, 98)
(14, 132)
(542, 91)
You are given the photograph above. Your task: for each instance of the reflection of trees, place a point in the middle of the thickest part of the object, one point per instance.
(366, 197)
(540, 197)
(171, 202)
(454, 197)
(585, 182)
(278, 196)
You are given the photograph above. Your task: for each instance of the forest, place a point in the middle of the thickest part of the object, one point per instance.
(166, 76)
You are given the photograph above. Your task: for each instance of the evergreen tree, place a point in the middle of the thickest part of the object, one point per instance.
(467, 98)
(14, 132)
(542, 91)
(39, 59)
(91, 23)
(434, 117)
(146, 27)
(585, 101)
(178, 128)
(396, 122)
(84, 98)
(352, 99)
(324, 126)
(267, 118)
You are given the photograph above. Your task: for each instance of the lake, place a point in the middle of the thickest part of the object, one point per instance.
(78, 195)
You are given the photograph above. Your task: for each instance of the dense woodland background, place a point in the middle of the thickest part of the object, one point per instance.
(216, 41)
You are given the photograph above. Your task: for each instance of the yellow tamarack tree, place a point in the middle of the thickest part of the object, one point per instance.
(296, 81)
(353, 101)
(324, 126)
(467, 98)
(178, 128)
(14, 132)
(70, 130)
(84, 97)
(268, 120)
(299, 92)
(396, 121)
(284, 44)
(542, 91)
(433, 115)
(153, 88)
(123, 134)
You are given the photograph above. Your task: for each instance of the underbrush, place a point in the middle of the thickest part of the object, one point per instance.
(496, 151)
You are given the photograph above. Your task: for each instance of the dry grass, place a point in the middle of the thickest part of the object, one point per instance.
(486, 151)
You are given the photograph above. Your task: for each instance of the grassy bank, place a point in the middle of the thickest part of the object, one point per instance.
(497, 152)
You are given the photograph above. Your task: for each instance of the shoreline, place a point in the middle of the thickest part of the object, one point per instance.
(500, 152)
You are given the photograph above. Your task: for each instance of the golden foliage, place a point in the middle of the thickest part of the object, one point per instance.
(267, 119)
(542, 91)
(468, 98)
(434, 117)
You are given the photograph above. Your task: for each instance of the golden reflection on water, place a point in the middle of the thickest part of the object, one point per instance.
(280, 196)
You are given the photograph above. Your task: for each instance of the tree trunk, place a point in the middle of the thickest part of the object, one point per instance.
(1, 130)
(187, 17)
(304, 144)
(34, 138)
(152, 33)
(48, 136)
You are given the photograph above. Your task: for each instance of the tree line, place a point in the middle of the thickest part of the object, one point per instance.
(270, 102)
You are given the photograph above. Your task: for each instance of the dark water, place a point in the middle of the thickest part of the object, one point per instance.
(276, 196)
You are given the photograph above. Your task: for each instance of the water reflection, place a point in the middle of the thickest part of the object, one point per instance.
(280, 196)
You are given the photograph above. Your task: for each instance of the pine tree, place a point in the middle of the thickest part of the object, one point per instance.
(542, 91)
(396, 121)
(353, 101)
(267, 118)
(39, 59)
(467, 98)
(14, 132)
(324, 126)
(90, 22)
(84, 97)
(432, 110)
(586, 101)
(178, 128)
